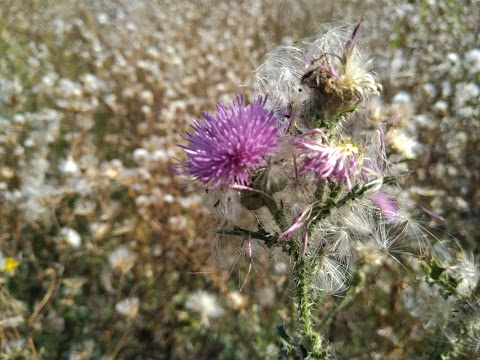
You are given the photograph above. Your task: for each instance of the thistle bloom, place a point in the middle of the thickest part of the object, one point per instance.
(329, 162)
(387, 206)
(227, 146)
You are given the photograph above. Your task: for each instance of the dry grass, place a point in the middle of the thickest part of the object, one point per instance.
(93, 97)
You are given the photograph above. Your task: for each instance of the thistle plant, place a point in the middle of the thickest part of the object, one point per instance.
(298, 170)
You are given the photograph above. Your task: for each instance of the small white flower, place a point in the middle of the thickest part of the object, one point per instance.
(441, 107)
(467, 272)
(19, 119)
(205, 304)
(147, 97)
(178, 223)
(13, 347)
(466, 93)
(161, 156)
(402, 97)
(140, 156)
(11, 322)
(169, 198)
(122, 259)
(102, 18)
(69, 167)
(71, 236)
(265, 297)
(112, 169)
(472, 59)
(236, 301)
(91, 83)
(405, 145)
(128, 307)
(98, 230)
(82, 351)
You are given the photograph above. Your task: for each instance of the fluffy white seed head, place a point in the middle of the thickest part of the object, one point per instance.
(331, 277)
(204, 304)
(122, 259)
(128, 307)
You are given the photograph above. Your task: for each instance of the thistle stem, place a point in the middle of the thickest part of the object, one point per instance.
(312, 340)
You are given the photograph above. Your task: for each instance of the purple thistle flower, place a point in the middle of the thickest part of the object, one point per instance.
(227, 146)
(387, 206)
(328, 162)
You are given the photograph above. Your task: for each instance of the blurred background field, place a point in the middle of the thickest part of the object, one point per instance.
(115, 254)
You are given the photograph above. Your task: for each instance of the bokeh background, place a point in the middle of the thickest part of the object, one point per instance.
(115, 253)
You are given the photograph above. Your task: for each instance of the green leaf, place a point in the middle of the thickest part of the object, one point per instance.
(283, 334)
(435, 271)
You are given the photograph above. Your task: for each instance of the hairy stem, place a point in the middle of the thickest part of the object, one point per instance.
(312, 341)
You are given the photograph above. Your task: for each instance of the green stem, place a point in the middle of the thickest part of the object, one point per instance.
(312, 341)
(334, 202)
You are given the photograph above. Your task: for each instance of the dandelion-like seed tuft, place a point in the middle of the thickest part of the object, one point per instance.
(128, 307)
(205, 304)
(122, 259)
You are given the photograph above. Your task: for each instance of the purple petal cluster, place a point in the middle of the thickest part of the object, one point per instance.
(339, 164)
(388, 207)
(228, 145)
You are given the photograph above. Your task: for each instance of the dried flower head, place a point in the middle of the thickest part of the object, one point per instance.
(339, 83)
(122, 259)
(73, 285)
(82, 351)
(227, 146)
(402, 143)
(11, 322)
(236, 301)
(128, 307)
(70, 236)
(205, 304)
(329, 66)
(69, 166)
